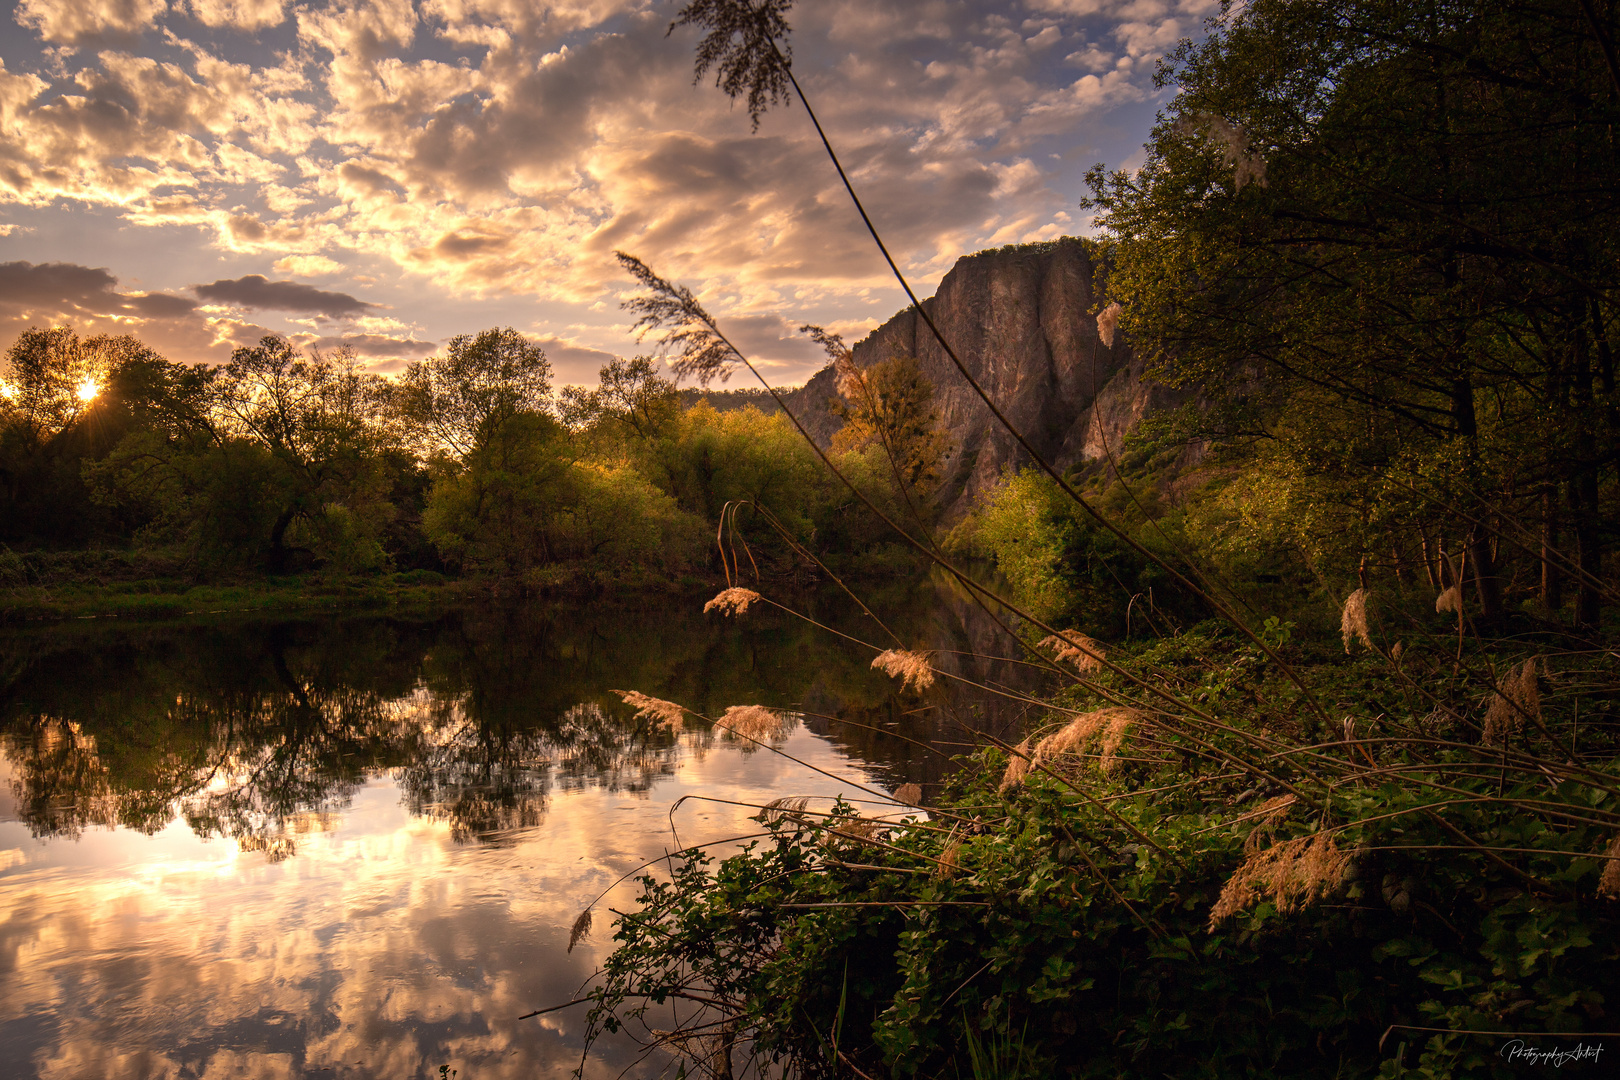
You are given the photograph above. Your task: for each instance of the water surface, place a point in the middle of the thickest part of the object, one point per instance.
(355, 846)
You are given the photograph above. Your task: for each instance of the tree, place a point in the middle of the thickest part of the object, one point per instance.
(321, 420)
(456, 402)
(891, 405)
(631, 401)
(1403, 216)
(52, 376)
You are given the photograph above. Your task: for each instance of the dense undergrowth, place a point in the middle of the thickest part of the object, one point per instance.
(1240, 887)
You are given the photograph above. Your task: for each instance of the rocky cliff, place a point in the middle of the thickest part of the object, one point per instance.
(1020, 319)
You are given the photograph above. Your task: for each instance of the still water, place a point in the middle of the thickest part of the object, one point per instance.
(355, 846)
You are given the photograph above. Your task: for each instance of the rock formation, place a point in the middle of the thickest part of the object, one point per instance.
(1020, 319)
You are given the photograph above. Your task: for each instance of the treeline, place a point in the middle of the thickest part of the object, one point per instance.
(284, 461)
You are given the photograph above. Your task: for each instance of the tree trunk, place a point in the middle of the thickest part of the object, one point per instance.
(1435, 578)
(1486, 583)
(1588, 551)
(1552, 577)
(276, 563)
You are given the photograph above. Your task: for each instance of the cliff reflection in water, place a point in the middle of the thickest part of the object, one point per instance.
(413, 810)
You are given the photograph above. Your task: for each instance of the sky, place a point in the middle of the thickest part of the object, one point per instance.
(388, 174)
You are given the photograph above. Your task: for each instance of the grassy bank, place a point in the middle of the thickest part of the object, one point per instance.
(89, 584)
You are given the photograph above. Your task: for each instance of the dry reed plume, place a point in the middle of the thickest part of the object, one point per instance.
(1108, 325)
(666, 714)
(1517, 698)
(732, 601)
(1086, 653)
(911, 668)
(786, 808)
(1609, 883)
(1353, 620)
(950, 860)
(1271, 814)
(854, 830)
(1017, 768)
(1291, 875)
(754, 722)
(910, 794)
(1113, 736)
(582, 927)
(1450, 600)
(1072, 738)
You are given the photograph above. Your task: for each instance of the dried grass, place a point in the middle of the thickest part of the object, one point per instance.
(911, 668)
(950, 860)
(1108, 325)
(1086, 652)
(786, 808)
(1270, 814)
(1517, 697)
(1609, 883)
(582, 927)
(910, 794)
(1113, 736)
(1017, 768)
(732, 601)
(1072, 738)
(854, 830)
(754, 722)
(1291, 875)
(1450, 600)
(665, 714)
(1353, 620)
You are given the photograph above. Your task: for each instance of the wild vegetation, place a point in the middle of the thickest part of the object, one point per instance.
(117, 465)
(1326, 781)
(1326, 785)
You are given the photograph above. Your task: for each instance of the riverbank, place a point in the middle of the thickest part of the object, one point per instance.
(88, 585)
(1344, 858)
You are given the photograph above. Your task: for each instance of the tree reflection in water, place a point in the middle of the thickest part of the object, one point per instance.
(262, 732)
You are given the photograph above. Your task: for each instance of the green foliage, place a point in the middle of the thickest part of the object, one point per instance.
(523, 499)
(890, 405)
(456, 402)
(1066, 567)
(1376, 237)
(1058, 938)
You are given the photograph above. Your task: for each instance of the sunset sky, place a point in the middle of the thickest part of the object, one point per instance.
(388, 174)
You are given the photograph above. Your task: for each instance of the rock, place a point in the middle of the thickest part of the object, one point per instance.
(1020, 320)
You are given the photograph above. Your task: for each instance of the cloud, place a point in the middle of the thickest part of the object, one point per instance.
(238, 14)
(259, 292)
(88, 299)
(571, 362)
(470, 150)
(50, 289)
(307, 265)
(73, 22)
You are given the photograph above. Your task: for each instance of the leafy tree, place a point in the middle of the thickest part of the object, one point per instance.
(321, 420)
(455, 403)
(1390, 230)
(891, 405)
(631, 402)
(499, 510)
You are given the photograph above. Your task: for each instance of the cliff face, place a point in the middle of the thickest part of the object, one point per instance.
(1018, 318)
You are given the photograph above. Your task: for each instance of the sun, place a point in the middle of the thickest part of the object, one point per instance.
(88, 389)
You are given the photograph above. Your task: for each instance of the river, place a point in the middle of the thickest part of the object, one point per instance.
(354, 845)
